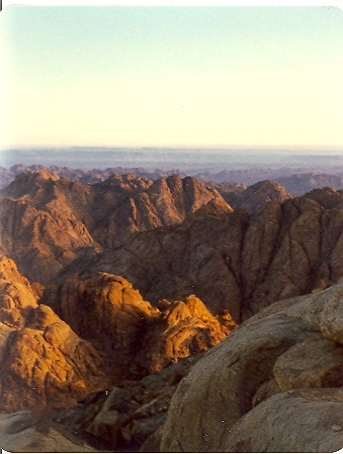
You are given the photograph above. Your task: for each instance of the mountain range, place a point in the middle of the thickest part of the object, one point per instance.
(297, 183)
(130, 306)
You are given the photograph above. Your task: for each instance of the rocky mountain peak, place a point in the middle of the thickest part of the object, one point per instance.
(327, 197)
(128, 182)
(174, 180)
(215, 208)
(182, 329)
(255, 196)
(30, 181)
(272, 189)
(56, 220)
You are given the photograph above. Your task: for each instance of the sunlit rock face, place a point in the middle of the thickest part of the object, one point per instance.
(44, 364)
(112, 315)
(104, 332)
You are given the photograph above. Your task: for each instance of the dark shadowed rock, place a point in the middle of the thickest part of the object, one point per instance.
(128, 416)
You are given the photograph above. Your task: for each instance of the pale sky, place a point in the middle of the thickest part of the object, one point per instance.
(171, 76)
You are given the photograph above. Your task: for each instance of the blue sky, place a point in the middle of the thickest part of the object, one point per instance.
(171, 76)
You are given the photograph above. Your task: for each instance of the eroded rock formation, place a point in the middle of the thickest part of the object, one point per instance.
(91, 331)
(43, 363)
(106, 310)
(104, 333)
(281, 371)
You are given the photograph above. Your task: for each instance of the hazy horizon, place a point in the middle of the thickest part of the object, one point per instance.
(267, 148)
(172, 77)
(191, 160)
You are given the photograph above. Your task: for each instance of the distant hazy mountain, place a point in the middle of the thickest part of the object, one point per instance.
(301, 183)
(85, 177)
(191, 161)
(296, 183)
(245, 176)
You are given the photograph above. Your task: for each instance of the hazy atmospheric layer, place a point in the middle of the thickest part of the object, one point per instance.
(186, 160)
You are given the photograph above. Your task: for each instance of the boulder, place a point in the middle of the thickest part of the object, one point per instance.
(249, 367)
(21, 432)
(119, 399)
(266, 390)
(307, 420)
(313, 363)
(126, 417)
(106, 425)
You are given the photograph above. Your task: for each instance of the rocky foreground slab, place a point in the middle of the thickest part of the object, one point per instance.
(274, 385)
